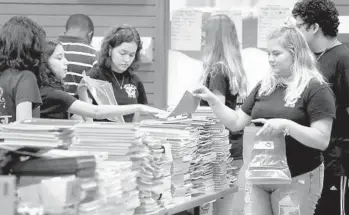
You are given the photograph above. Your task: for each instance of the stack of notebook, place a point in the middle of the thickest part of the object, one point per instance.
(123, 142)
(38, 136)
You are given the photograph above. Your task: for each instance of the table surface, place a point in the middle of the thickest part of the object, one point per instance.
(197, 201)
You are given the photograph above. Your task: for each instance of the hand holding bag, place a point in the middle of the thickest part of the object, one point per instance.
(268, 162)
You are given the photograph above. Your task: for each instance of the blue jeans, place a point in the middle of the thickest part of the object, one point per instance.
(298, 198)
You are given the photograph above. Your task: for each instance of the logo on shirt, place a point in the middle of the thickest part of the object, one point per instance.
(290, 105)
(4, 119)
(131, 90)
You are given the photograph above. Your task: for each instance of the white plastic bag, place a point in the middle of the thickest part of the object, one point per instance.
(268, 162)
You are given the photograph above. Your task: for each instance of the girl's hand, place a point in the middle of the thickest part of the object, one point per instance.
(205, 94)
(82, 87)
(151, 110)
(271, 126)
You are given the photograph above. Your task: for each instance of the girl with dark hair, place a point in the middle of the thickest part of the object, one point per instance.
(21, 48)
(57, 103)
(118, 59)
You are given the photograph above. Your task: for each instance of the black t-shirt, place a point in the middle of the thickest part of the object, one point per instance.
(315, 103)
(218, 80)
(128, 88)
(334, 65)
(17, 87)
(55, 103)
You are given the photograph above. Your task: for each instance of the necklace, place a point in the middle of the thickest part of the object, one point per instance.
(330, 46)
(122, 82)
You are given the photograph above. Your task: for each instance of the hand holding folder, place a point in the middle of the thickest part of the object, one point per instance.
(102, 92)
(186, 106)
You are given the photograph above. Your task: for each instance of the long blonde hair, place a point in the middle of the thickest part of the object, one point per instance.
(222, 49)
(303, 69)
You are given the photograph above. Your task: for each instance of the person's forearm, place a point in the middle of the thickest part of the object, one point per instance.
(227, 116)
(308, 136)
(106, 111)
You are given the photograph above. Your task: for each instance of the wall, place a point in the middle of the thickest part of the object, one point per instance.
(146, 15)
(185, 68)
(343, 9)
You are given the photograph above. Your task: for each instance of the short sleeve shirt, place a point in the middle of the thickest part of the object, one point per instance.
(81, 57)
(219, 81)
(55, 103)
(316, 102)
(128, 88)
(334, 65)
(17, 87)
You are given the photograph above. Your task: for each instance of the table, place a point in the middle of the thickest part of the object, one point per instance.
(195, 202)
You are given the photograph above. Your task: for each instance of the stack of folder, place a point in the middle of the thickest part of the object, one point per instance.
(219, 137)
(183, 140)
(183, 150)
(221, 146)
(202, 174)
(154, 181)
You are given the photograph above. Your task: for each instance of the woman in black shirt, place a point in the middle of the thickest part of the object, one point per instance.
(57, 103)
(223, 72)
(294, 99)
(118, 60)
(21, 48)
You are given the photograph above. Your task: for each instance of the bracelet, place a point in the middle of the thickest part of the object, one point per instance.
(286, 131)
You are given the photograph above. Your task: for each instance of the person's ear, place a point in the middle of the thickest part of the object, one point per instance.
(315, 28)
(90, 36)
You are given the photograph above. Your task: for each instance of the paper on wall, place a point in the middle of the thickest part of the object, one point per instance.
(270, 17)
(186, 30)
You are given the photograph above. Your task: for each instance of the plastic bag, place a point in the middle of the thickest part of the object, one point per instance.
(102, 92)
(268, 162)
